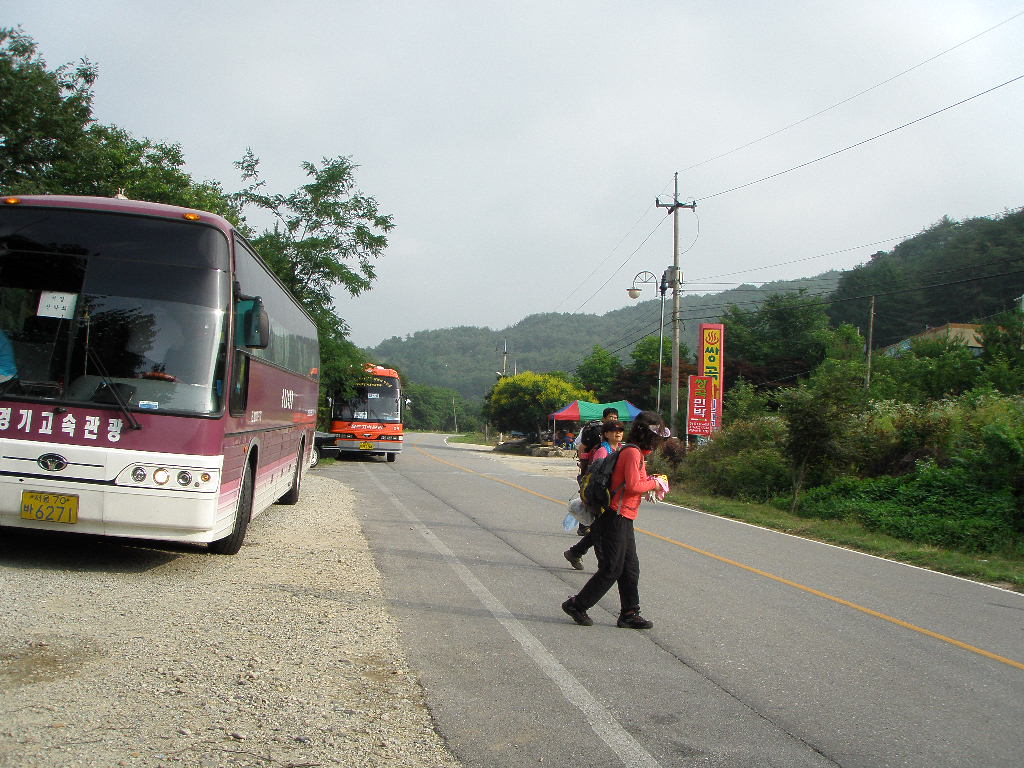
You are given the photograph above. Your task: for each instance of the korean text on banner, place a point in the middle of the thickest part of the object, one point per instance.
(712, 353)
(699, 410)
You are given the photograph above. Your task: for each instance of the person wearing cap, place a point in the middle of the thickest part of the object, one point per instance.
(612, 433)
(585, 457)
(614, 537)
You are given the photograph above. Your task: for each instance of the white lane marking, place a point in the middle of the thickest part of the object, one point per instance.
(600, 719)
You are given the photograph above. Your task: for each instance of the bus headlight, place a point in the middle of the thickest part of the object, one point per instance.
(161, 476)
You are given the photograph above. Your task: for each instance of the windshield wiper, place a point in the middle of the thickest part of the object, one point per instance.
(112, 388)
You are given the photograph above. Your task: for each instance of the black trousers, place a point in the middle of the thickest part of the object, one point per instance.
(579, 549)
(617, 563)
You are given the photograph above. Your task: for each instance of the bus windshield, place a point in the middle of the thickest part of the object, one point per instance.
(379, 402)
(93, 302)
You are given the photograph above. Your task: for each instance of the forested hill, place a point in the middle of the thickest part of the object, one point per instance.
(953, 272)
(466, 358)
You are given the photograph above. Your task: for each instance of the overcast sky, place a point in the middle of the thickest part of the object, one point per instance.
(520, 146)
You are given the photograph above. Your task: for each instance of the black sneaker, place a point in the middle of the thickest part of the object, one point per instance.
(580, 617)
(575, 561)
(632, 620)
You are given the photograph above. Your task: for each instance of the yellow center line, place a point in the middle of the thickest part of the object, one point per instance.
(765, 574)
(841, 601)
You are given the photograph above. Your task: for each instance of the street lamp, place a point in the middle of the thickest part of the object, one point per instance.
(649, 278)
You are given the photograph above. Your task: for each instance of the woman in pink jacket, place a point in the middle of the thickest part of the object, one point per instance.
(615, 540)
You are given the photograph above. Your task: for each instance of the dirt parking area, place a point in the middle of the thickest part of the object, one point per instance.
(115, 653)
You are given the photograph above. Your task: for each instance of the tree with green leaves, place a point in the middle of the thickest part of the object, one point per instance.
(786, 337)
(523, 402)
(813, 436)
(110, 161)
(51, 143)
(1003, 357)
(930, 370)
(44, 117)
(638, 381)
(326, 235)
(438, 409)
(598, 372)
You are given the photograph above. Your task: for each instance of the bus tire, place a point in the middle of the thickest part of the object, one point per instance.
(292, 497)
(314, 457)
(392, 456)
(231, 543)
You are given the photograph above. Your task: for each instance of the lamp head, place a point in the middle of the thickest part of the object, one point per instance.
(634, 293)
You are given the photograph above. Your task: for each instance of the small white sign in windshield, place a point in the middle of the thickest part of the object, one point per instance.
(54, 304)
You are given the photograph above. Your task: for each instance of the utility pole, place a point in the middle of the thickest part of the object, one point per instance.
(676, 279)
(871, 341)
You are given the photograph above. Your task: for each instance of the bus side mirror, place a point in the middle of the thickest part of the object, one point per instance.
(253, 324)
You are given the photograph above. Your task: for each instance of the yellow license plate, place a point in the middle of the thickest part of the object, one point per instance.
(366, 445)
(49, 507)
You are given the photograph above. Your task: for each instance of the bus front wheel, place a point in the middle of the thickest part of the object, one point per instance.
(231, 543)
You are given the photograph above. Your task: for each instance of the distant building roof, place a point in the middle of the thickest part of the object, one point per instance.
(967, 333)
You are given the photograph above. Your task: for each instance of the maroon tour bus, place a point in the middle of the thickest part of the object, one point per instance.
(157, 380)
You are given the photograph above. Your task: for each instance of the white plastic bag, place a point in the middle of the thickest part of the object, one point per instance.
(580, 512)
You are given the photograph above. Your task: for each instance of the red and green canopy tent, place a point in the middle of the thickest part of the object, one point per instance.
(581, 410)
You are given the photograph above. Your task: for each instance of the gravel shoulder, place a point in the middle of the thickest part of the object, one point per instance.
(115, 653)
(560, 466)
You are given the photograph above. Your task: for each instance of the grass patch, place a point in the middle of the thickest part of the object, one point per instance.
(1005, 570)
(475, 438)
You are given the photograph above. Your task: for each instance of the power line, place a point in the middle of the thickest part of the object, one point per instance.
(776, 175)
(774, 133)
(624, 263)
(892, 292)
(610, 254)
(807, 258)
(860, 143)
(701, 280)
(928, 273)
(854, 96)
(713, 312)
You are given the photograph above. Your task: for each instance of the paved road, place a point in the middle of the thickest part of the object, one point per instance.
(767, 650)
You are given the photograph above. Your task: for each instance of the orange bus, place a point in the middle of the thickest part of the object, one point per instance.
(370, 422)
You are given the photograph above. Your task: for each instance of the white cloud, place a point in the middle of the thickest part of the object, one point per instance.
(518, 145)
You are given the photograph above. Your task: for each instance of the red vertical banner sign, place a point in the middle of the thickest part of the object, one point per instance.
(698, 412)
(712, 353)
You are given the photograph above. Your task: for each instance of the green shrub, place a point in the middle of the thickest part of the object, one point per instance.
(755, 474)
(942, 506)
(743, 461)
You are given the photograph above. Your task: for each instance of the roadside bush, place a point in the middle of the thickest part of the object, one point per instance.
(991, 445)
(674, 451)
(744, 403)
(756, 474)
(942, 506)
(743, 461)
(894, 436)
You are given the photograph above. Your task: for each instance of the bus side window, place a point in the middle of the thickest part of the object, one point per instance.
(239, 395)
